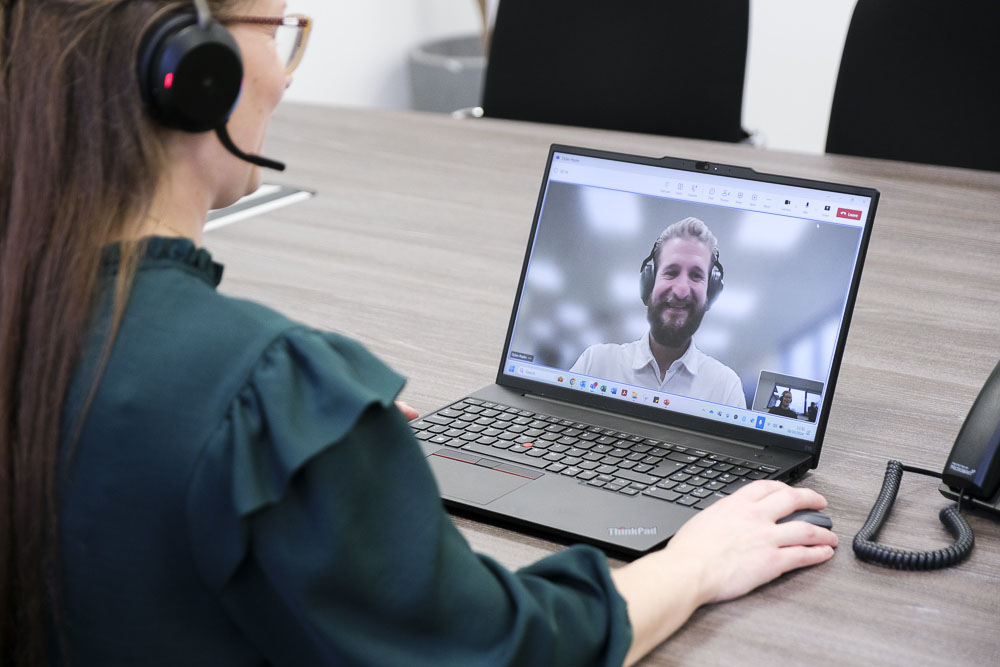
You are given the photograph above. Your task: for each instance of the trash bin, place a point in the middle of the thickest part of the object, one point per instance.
(447, 74)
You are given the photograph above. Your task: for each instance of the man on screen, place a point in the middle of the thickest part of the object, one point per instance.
(678, 282)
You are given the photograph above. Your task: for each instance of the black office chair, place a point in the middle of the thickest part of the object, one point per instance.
(920, 81)
(654, 66)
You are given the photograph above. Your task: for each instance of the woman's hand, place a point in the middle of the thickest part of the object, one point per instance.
(724, 551)
(739, 545)
(407, 411)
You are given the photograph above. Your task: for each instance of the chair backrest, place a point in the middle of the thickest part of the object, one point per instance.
(654, 66)
(920, 81)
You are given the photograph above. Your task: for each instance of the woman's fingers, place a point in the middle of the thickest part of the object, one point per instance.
(802, 533)
(791, 558)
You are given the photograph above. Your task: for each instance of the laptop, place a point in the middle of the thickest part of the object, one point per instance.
(637, 388)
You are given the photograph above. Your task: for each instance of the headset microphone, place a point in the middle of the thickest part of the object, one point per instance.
(258, 160)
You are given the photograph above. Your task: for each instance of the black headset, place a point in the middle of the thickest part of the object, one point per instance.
(190, 75)
(647, 276)
(190, 70)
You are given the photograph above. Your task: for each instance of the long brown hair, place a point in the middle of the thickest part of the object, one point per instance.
(79, 164)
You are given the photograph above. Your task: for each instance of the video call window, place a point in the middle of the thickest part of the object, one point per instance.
(785, 284)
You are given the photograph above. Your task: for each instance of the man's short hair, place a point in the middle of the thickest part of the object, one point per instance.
(687, 228)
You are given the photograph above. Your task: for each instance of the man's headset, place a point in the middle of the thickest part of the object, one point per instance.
(190, 76)
(647, 276)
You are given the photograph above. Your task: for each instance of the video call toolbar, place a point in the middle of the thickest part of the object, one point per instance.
(712, 189)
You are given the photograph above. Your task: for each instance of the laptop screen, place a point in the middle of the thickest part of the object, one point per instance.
(736, 324)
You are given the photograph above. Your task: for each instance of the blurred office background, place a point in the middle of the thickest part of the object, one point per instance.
(358, 56)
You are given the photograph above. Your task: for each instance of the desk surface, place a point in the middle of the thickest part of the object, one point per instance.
(414, 245)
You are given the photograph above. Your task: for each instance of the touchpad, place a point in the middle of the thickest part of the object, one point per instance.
(472, 483)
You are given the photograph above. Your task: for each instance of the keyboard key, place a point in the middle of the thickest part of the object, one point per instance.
(438, 419)
(556, 467)
(756, 474)
(682, 458)
(628, 491)
(606, 469)
(666, 468)
(587, 475)
(737, 485)
(662, 494)
(570, 471)
(634, 476)
(687, 501)
(506, 455)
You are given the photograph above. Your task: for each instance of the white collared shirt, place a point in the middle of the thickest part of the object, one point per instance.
(694, 374)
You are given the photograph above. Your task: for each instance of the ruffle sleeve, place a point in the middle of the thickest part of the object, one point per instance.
(317, 524)
(307, 391)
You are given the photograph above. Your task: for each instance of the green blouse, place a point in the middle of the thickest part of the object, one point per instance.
(244, 492)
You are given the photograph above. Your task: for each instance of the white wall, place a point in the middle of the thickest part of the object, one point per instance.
(357, 57)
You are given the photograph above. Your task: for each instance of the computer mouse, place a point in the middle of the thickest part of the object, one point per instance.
(815, 517)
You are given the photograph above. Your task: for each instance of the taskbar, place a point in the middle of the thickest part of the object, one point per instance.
(742, 417)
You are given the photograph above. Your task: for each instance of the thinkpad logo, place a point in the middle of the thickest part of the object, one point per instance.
(622, 531)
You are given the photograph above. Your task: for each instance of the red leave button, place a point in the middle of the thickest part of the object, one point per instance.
(848, 213)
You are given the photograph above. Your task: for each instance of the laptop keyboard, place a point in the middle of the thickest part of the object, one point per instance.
(603, 458)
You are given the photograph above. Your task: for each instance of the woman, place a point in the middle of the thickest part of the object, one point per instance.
(192, 479)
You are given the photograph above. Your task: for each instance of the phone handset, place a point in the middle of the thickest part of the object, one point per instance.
(972, 471)
(974, 463)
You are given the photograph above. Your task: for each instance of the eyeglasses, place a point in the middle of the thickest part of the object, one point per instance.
(291, 33)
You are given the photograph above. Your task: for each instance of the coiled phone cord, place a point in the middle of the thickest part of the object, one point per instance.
(868, 550)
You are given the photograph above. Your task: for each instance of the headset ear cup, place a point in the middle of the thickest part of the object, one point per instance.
(646, 279)
(715, 284)
(190, 77)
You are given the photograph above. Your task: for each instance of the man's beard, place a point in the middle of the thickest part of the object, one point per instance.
(673, 335)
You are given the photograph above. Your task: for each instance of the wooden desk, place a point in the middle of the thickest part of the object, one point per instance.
(414, 246)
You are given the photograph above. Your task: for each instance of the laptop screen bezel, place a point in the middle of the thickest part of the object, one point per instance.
(677, 419)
